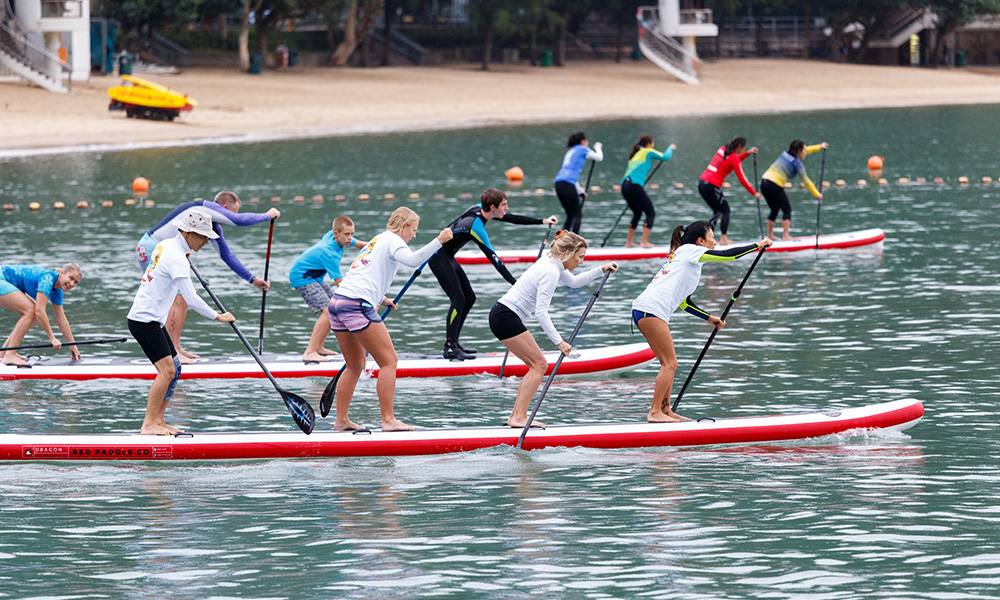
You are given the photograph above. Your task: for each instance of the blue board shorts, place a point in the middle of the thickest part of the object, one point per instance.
(7, 287)
(351, 314)
(317, 295)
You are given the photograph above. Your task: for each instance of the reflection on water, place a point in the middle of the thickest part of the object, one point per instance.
(861, 515)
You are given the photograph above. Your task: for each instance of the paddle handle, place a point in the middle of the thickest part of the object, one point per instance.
(725, 313)
(34, 346)
(263, 294)
(555, 368)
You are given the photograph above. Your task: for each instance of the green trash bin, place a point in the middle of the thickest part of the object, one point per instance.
(293, 57)
(256, 60)
(546, 58)
(125, 62)
(960, 58)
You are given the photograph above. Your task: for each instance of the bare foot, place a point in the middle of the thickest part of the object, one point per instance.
(667, 416)
(186, 360)
(13, 359)
(173, 429)
(632, 245)
(327, 352)
(185, 353)
(787, 238)
(314, 357)
(725, 241)
(648, 245)
(521, 423)
(396, 425)
(153, 429)
(347, 425)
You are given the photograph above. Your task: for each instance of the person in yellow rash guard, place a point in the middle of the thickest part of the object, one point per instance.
(772, 184)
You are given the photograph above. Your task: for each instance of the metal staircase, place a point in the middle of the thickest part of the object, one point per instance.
(904, 24)
(26, 58)
(663, 50)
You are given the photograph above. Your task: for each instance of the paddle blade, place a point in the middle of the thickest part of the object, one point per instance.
(326, 400)
(302, 413)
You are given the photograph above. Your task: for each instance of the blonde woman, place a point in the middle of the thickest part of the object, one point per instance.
(532, 294)
(354, 314)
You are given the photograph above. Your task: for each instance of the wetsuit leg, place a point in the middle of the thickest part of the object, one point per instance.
(715, 200)
(776, 198)
(570, 201)
(446, 269)
(638, 200)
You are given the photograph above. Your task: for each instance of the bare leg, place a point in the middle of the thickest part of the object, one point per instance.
(377, 342)
(315, 352)
(20, 303)
(175, 325)
(657, 334)
(156, 403)
(645, 237)
(629, 240)
(770, 229)
(524, 347)
(724, 240)
(786, 225)
(354, 365)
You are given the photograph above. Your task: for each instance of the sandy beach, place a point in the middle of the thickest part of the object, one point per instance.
(318, 102)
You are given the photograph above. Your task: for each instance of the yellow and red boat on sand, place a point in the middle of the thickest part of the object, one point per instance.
(147, 100)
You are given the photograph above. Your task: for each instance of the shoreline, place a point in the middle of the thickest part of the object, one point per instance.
(314, 103)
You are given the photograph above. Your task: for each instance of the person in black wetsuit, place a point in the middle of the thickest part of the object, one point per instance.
(471, 226)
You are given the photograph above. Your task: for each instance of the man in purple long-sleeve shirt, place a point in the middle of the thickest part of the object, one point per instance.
(225, 211)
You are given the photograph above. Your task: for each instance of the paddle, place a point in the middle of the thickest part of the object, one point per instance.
(819, 203)
(732, 300)
(326, 400)
(548, 382)
(760, 218)
(263, 293)
(300, 409)
(33, 346)
(624, 210)
(506, 354)
(586, 188)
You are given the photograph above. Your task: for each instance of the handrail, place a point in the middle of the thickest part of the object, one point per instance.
(18, 45)
(651, 25)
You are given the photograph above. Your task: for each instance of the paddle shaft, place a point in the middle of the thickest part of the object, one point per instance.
(756, 182)
(263, 293)
(624, 210)
(544, 241)
(819, 203)
(555, 368)
(586, 188)
(725, 313)
(34, 346)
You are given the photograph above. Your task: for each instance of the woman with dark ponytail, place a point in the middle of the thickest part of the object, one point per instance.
(772, 184)
(727, 159)
(639, 162)
(671, 288)
(568, 188)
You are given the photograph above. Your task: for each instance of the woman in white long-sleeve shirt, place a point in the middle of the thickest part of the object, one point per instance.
(532, 294)
(354, 317)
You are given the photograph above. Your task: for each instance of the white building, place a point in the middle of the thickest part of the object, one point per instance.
(45, 41)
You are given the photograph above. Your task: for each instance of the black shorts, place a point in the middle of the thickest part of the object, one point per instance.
(776, 199)
(153, 340)
(504, 323)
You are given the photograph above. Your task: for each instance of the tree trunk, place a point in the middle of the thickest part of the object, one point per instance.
(350, 43)
(488, 44)
(223, 30)
(559, 58)
(533, 44)
(244, 40)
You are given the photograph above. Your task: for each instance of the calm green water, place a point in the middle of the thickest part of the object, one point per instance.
(884, 515)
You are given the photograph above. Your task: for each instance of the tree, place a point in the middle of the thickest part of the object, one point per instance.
(488, 15)
(358, 22)
(952, 14)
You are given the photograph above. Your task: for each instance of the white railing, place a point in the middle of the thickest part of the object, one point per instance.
(663, 50)
(30, 59)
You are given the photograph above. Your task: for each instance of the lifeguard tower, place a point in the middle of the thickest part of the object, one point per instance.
(659, 29)
(46, 42)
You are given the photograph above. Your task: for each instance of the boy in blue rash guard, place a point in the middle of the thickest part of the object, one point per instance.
(27, 290)
(310, 268)
(471, 226)
(671, 288)
(568, 187)
(224, 210)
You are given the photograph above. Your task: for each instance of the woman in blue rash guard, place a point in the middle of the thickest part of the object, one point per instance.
(568, 187)
(671, 288)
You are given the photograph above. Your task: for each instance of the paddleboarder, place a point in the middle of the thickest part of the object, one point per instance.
(639, 162)
(355, 320)
(772, 184)
(567, 183)
(471, 226)
(168, 274)
(307, 276)
(691, 247)
(532, 294)
(727, 159)
(27, 290)
(224, 210)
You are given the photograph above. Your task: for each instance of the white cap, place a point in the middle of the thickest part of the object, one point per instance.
(196, 220)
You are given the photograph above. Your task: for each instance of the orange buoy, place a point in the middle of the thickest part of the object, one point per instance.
(34, 206)
(903, 180)
(921, 180)
(129, 201)
(439, 196)
(595, 189)
(824, 184)
(963, 180)
(82, 204)
(875, 162)
(363, 197)
(987, 179)
(107, 203)
(678, 186)
(255, 200)
(59, 205)
(149, 203)
(8, 207)
(788, 185)
(939, 180)
(862, 182)
(299, 199)
(616, 188)
(883, 181)
(840, 183)
(388, 196)
(414, 195)
(275, 199)
(514, 174)
(318, 198)
(340, 197)
(726, 185)
(654, 186)
(140, 185)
